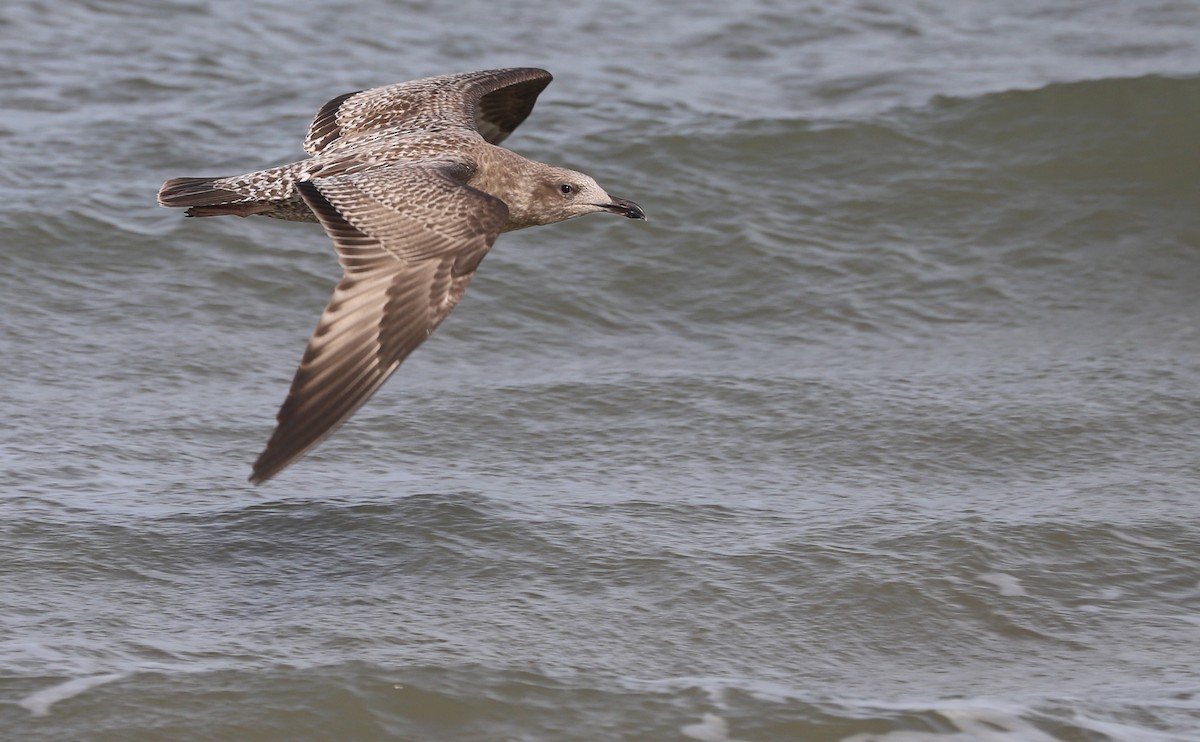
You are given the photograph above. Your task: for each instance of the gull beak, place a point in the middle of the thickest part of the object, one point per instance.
(625, 208)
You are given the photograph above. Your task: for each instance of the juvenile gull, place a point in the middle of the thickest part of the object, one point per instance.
(409, 183)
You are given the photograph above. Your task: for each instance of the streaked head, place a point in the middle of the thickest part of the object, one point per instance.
(565, 194)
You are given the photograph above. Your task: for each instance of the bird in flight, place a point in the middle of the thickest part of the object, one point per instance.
(409, 182)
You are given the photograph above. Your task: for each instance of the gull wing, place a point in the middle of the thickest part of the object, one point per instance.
(409, 237)
(492, 102)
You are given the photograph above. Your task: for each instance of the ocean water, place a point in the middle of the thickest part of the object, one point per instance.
(884, 428)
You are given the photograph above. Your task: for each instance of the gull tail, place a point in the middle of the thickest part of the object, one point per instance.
(203, 197)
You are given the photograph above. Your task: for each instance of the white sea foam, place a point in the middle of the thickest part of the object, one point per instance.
(1009, 586)
(974, 723)
(39, 702)
(712, 728)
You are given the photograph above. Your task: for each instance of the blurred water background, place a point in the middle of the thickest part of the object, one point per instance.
(883, 428)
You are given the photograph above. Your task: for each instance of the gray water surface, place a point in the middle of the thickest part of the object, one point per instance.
(884, 427)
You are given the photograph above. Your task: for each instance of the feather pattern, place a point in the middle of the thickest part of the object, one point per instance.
(492, 102)
(404, 270)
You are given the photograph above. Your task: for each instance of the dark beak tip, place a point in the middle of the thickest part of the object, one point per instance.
(626, 208)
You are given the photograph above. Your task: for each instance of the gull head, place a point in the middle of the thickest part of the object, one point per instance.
(565, 194)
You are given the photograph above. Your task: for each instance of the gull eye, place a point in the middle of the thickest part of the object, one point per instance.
(567, 189)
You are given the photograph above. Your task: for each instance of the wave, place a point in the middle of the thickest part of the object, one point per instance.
(468, 701)
(1129, 131)
(991, 208)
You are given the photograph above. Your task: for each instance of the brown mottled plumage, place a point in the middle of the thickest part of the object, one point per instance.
(409, 184)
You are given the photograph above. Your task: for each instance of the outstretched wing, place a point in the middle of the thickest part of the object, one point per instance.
(409, 237)
(492, 102)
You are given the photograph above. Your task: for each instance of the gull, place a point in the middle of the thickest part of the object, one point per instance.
(409, 182)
